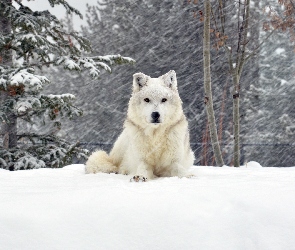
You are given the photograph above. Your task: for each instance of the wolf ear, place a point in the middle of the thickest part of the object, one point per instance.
(170, 79)
(139, 80)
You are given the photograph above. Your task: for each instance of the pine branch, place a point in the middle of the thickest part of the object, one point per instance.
(68, 7)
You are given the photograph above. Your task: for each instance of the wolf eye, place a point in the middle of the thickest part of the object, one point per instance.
(146, 99)
(164, 100)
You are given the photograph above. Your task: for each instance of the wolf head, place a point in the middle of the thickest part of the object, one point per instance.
(154, 101)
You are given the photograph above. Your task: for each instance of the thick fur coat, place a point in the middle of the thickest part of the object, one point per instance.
(155, 139)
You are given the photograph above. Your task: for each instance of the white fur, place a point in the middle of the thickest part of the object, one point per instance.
(146, 149)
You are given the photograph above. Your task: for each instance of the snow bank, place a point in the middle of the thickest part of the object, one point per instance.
(252, 164)
(221, 208)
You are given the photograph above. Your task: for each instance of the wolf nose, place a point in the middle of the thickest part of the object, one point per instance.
(155, 116)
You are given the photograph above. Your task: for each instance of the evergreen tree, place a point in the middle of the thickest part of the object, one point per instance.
(31, 40)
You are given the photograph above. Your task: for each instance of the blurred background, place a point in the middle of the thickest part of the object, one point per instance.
(162, 35)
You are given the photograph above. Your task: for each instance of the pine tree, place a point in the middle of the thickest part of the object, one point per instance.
(31, 40)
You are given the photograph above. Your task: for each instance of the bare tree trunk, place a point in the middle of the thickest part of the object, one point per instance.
(207, 87)
(237, 72)
(236, 119)
(8, 130)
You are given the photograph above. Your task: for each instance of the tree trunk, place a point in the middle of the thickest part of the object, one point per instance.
(236, 119)
(8, 130)
(243, 41)
(207, 87)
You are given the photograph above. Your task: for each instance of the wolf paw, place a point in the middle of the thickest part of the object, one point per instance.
(189, 176)
(138, 178)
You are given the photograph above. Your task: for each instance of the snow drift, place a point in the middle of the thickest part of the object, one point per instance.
(221, 208)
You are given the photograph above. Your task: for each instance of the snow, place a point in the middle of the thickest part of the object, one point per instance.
(27, 103)
(67, 96)
(28, 79)
(22, 109)
(70, 64)
(280, 51)
(252, 164)
(110, 58)
(30, 37)
(221, 208)
(29, 161)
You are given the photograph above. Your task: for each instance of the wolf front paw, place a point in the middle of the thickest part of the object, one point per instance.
(138, 178)
(187, 176)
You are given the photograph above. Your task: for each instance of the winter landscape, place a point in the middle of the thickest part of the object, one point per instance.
(220, 208)
(66, 88)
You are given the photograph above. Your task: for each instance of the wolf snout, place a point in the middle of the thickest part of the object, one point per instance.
(155, 117)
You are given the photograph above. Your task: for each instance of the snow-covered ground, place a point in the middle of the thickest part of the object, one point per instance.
(221, 208)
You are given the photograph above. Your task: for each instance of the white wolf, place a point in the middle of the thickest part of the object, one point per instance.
(155, 139)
